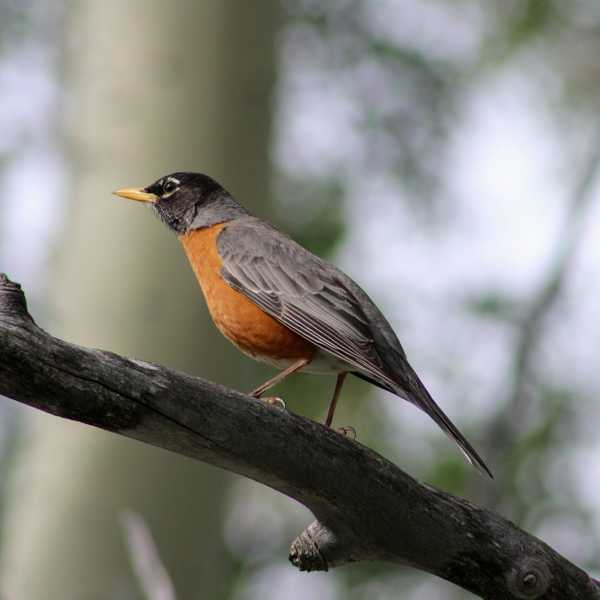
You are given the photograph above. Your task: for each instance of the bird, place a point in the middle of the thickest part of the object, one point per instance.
(281, 304)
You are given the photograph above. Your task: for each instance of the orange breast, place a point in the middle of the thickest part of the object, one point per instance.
(238, 318)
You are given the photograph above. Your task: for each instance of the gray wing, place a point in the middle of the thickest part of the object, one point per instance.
(325, 307)
(306, 294)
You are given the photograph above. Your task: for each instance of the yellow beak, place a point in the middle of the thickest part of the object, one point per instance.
(136, 194)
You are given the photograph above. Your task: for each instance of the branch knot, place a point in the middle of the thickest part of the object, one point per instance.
(529, 580)
(12, 300)
(305, 552)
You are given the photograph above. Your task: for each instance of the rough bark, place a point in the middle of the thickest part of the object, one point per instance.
(150, 87)
(366, 508)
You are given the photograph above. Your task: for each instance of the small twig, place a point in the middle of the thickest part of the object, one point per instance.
(145, 560)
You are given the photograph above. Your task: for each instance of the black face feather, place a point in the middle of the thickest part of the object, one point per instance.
(188, 201)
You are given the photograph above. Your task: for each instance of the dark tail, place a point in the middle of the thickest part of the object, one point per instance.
(415, 392)
(419, 396)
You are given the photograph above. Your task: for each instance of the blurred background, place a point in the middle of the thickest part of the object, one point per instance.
(445, 153)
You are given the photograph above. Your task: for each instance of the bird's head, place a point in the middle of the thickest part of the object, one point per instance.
(187, 201)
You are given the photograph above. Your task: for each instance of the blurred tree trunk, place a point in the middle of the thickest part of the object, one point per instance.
(157, 87)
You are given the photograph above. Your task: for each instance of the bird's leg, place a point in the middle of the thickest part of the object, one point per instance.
(261, 389)
(336, 394)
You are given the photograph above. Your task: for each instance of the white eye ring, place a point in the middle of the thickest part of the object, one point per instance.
(169, 186)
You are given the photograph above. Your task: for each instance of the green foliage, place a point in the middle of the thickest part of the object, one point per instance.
(493, 305)
(315, 215)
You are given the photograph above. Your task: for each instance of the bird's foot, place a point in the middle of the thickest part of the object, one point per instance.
(347, 431)
(275, 401)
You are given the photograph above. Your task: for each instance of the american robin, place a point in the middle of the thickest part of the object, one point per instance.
(281, 304)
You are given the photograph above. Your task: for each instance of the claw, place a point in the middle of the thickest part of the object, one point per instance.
(275, 401)
(347, 431)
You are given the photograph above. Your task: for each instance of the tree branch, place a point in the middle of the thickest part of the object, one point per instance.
(366, 508)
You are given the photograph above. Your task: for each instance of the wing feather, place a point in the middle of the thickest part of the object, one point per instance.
(325, 307)
(302, 292)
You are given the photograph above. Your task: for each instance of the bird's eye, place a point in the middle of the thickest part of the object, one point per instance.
(169, 186)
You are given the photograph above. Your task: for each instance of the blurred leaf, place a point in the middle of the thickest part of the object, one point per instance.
(493, 304)
(531, 18)
(313, 213)
(15, 21)
(450, 473)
